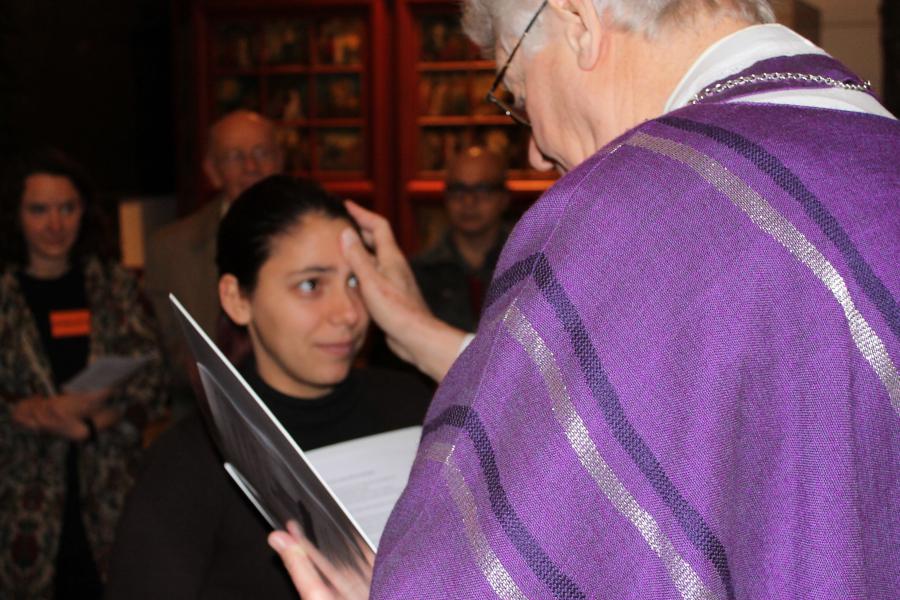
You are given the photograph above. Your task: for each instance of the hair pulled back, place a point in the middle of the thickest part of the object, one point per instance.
(262, 213)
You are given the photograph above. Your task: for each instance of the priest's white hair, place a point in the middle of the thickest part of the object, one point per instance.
(485, 20)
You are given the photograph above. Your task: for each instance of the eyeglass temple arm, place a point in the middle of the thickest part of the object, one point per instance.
(515, 49)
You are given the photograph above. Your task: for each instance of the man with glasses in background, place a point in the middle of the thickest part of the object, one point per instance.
(242, 149)
(453, 275)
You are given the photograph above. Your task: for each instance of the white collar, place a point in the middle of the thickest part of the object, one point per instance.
(736, 52)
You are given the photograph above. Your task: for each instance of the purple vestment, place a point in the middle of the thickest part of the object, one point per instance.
(684, 383)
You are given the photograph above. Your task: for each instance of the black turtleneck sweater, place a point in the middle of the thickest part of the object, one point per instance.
(189, 532)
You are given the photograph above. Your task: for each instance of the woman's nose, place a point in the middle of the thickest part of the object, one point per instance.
(55, 219)
(346, 309)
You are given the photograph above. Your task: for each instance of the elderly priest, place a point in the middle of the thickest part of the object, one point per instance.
(684, 383)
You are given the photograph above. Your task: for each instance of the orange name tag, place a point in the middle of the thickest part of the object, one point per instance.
(70, 323)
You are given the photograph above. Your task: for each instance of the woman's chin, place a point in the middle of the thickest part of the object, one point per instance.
(333, 375)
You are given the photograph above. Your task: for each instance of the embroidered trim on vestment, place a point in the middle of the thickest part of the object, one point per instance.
(683, 576)
(773, 223)
(464, 417)
(493, 570)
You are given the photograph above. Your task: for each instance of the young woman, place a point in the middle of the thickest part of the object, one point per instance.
(65, 458)
(188, 531)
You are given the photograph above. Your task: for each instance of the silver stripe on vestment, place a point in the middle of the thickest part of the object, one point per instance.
(683, 576)
(493, 570)
(772, 222)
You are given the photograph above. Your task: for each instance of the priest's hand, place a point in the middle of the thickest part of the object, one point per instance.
(314, 576)
(392, 297)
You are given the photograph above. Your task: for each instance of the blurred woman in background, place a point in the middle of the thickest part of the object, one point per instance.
(65, 458)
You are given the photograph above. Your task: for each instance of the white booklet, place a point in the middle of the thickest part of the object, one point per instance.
(282, 481)
(368, 474)
(105, 372)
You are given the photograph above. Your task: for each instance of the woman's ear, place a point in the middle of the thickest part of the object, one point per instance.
(582, 29)
(233, 301)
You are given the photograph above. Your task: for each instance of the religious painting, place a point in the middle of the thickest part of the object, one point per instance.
(443, 40)
(286, 42)
(437, 145)
(340, 41)
(232, 93)
(338, 96)
(295, 145)
(235, 46)
(340, 149)
(444, 93)
(287, 97)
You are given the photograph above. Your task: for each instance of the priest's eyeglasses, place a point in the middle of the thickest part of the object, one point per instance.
(516, 114)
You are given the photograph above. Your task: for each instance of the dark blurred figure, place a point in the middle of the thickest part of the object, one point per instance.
(454, 274)
(66, 459)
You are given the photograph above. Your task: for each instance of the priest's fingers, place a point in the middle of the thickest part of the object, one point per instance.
(390, 285)
(362, 263)
(376, 232)
(391, 297)
(306, 578)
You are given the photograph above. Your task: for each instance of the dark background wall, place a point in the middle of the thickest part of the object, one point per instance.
(93, 77)
(98, 78)
(890, 40)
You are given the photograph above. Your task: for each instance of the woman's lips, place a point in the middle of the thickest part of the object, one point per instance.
(338, 349)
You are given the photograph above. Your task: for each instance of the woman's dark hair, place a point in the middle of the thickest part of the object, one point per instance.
(92, 234)
(263, 212)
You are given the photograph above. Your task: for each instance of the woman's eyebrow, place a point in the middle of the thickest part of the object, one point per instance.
(313, 270)
(50, 202)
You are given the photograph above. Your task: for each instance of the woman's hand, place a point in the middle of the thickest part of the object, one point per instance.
(64, 415)
(393, 299)
(314, 576)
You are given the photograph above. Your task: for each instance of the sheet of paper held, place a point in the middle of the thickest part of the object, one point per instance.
(105, 372)
(368, 474)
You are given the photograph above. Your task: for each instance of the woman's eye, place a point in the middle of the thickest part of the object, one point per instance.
(307, 285)
(352, 281)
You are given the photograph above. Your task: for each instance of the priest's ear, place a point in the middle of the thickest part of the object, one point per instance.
(582, 29)
(234, 302)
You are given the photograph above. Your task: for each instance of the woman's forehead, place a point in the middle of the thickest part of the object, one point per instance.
(46, 187)
(314, 241)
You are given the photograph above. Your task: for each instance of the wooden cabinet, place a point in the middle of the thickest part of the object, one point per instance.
(371, 97)
(316, 69)
(307, 74)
